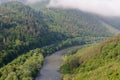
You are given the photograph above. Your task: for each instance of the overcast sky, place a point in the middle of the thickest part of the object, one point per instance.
(33, 1)
(104, 7)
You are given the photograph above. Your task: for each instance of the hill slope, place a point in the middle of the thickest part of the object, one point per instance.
(74, 22)
(22, 28)
(79, 19)
(113, 21)
(95, 62)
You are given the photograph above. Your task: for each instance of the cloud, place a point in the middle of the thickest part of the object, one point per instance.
(33, 1)
(103, 7)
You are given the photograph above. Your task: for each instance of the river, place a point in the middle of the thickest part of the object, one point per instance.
(52, 63)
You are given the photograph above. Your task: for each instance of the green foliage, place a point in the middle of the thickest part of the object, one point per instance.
(73, 23)
(97, 62)
(23, 29)
(24, 67)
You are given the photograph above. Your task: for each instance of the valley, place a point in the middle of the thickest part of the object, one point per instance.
(38, 42)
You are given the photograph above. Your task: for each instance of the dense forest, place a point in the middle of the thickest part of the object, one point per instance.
(82, 21)
(20, 32)
(29, 33)
(23, 67)
(26, 30)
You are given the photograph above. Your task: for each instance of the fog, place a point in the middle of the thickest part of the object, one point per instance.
(33, 1)
(103, 7)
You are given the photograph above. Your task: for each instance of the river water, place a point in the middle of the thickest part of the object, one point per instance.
(52, 63)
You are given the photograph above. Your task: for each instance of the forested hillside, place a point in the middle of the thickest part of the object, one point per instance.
(74, 23)
(95, 62)
(78, 19)
(23, 29)
(24, 67)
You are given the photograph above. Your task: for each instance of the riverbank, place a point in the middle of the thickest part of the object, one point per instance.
(52, 63)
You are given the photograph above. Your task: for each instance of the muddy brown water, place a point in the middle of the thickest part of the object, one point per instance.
(52, 63)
